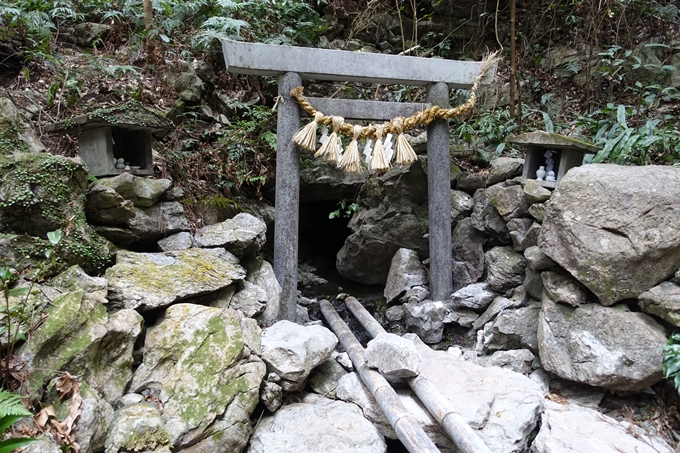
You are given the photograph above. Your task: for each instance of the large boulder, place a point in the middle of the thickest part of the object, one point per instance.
(196, 364)
(615, 228)
(146, 281)
(243, 234)
(160, 220)
(16, 133)
(467, 253)
(313, 424)
(105, 206)
(321, 180)
(393, 213)
(406, 271)
(142, 192)
(606, 347)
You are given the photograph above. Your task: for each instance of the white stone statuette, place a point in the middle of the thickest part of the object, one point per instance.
(540, 173)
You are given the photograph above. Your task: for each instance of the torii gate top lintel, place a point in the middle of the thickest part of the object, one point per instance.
(292, 64)
(346, 66)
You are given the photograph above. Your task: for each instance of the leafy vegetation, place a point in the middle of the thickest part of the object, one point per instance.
(11, 411)
(671, 360)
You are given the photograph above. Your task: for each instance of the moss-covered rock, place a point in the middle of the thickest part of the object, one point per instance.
(16, 134)
(137, 427)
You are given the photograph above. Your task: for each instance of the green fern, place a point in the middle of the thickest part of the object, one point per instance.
(11, 411)
(671, 360)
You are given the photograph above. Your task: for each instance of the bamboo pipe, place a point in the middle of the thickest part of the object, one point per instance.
(407, 428)
(455, 426)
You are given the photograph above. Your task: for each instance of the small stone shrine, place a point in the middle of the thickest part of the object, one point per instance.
(116, 139)
(549, 156)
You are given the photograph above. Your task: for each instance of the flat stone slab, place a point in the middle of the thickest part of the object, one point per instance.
(240, 235)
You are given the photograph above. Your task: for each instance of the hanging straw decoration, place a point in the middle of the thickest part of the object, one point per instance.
(405, 154)
(306, 137)
(379, 162)
(331, 148)
(351, 159)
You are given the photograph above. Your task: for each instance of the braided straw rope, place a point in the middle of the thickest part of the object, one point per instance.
(418, 119)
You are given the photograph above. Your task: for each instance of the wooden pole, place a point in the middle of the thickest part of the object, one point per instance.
(513, 56)
(455, 426)
(407, 428)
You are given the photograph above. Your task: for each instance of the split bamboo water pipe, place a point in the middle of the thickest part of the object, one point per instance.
(455, 426)
(407, 428)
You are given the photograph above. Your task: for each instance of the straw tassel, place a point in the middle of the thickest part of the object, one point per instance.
(306, 137)
(351, 159)
(331, 149)
(405, 154)
(379, 162)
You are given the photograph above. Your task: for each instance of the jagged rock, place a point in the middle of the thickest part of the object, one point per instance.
(138, 427)
(504, 168)
(575, 429)
(514, 329)
(173, 194)
(393, 356)
(313, 424)
(271, 393)
(160, 220)
(393, 214)
(406, 271)
(80, 337)
(499, 304)
(188, 86)
(240, 235)
(43, 445)
(502, 406)
(196, 365)
(508, 200)
(426, 319)
(20, 252)
(461, 316)
(179, 241)
(505, 268)
(614, 228)
(461, 206)
(471, 182)
(292, 351)
(142, 192)
(307, 275)
(517, 360)
(535, 193)
(467, 252)
(537, 260)
(321, 180)
(602, 346)
(119, 236)
(105, 206)
(261, 273)
(74, 279)
(564, 288)
(146, 281)
(251, 300)
(476, 296)
(396, 312)
(533, 283)
(18, 133)
(252, 335)
(663, 301)
(415, 295)
(324, 379)
(524, 233)
(94, 421)
(485, 218)
(87, 34)
(537, 211)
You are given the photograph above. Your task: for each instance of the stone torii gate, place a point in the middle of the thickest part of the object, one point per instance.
(293, 64)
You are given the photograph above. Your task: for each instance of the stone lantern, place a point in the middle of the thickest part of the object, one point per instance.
(549, 152)
(116, 139)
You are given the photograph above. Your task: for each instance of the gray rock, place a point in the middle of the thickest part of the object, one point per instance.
(467, 252)
(461, 316)
(524, 233)
(499, 304)
(241, 235)
(508, 200)
(261, 273)
(179, 241)
(142, 192)
(517, 360)
(88, 34)
(476, 296)
(105, 206)
(173, 194)
(395, 313)
(514, 329)
(271, 393)
(537, 211)
(324, 379)
(43, 445)
(614, 228)
(121, 237)
(415, 294)
(250, 301)
(321, 180)
(485, 218)
(312, 424)
(537, 260)
(158, 221)
(188, 86)
(22, 136)
(533, 284)
(602, 346)
(663, 301)
(535, 193)
(505, 268)
(74, 279)
(504, 168)
(146, 281)
(575, 429)
(79, 336)
(394, 356)
(471, 182)
(292, 351)
(564, 288)
(461, 206)
(426, 320)
(196, 365)
(252, 335)
(406, 271)
(138, 427)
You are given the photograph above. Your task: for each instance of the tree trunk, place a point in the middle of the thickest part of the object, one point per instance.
(147, 7)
